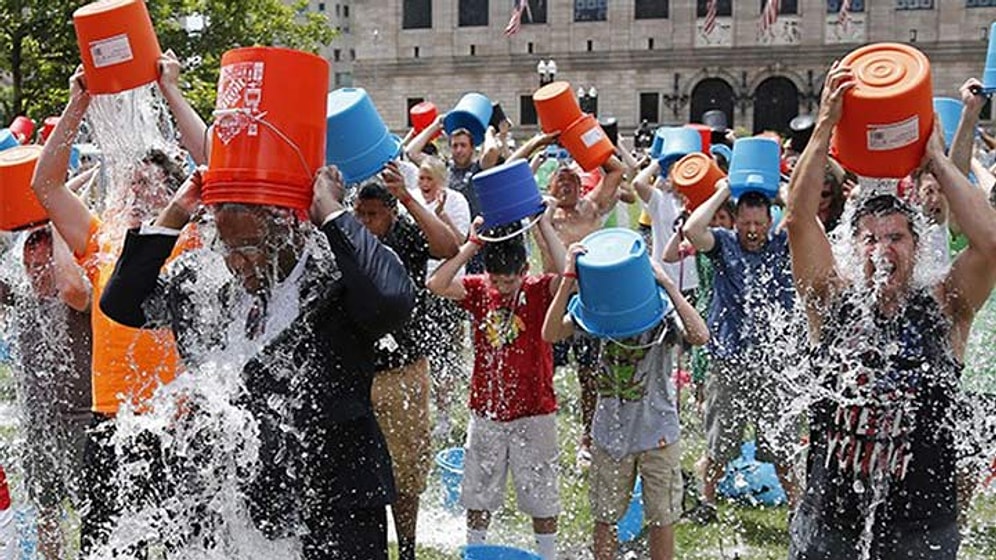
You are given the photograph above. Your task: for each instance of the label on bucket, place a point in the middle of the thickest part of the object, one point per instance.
(592, 137)
(882, 137)
(239, 96)
(110, 51)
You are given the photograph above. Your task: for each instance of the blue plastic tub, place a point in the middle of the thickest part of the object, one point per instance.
(507, 193)
(989, 74)
(678, 142)
(472, 112)
(755, 166)
(450, 464)
(495, 552)
(357, 140)
(7, 140)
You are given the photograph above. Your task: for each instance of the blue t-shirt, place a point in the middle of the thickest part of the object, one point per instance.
(752, 292)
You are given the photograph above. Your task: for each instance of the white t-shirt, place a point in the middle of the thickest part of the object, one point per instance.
(664, 210)
(458, 210)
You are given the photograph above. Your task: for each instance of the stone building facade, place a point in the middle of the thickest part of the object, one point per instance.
(651, 60)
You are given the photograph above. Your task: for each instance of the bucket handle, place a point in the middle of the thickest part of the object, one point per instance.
(260, 118)
(515, 233)
(655, 342)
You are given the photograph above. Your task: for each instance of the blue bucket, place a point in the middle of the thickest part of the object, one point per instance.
(629, 527)
(507, 193)
(755, 166)
(472, 112)
(495, 552)
(450, 463)
(7, 140)
(949, 110)
(750, 481)
(678, 142)
(618, 296)
(357, 140)
(721, 151)
(657, 145)
(989, 74)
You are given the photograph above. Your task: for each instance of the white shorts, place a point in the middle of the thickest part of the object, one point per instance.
(527, 446)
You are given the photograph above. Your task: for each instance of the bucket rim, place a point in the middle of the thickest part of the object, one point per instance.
(371, 170)
(578, 312)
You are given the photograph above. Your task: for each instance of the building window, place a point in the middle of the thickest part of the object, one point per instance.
(724, 8)
(537, 9)
(790, 7)
(590, 10)
(415, 52)
(473, 13)
(417, 14)
(343, 79)
(529, 47)
(651, 9)
(336, 55)
(321, 6)
(980, 3)
(914, 4)
(527, 111)
(345, 11)
(650, 44)
(352, 54)
(650, 107)
(411, 102)
(833, 6)
(473, 50)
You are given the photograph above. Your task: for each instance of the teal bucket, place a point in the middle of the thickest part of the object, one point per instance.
(356, 139)
(618, 296)
(472, 112)
(7, 140)
(495, 552)
(631, 524)
(755, 166)
(450, 464)
(507, 193)
(949, 110)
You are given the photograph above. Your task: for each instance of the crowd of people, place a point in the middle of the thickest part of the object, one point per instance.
(353, 323)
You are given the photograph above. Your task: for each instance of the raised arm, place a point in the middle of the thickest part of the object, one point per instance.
(414, 148)
(74, 289)
(193, 131)
(540, 140)
(695, 331)
(443, 281)
(490, 150)
(646, 179)
(442, 243)
(554, 246)
(696, 228)
(604, 194)
(67, 212)
(812, 259)
(964, 139)
(557, 325)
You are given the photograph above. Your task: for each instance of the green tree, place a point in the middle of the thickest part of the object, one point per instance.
(38, 49)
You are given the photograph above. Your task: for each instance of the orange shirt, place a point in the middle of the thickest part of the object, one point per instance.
(128, 364)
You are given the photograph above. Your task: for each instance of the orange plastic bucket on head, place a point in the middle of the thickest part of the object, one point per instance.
(889, 113)
(268, 138)
(587, 143)
(118, 45)
(556, 106)
(19, 208)
(695, 176)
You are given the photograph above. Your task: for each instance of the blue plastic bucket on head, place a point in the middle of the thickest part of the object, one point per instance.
(679, 141)
(989, 74)
(357, 140)
(755, 166)
(7, 140)
(657, 145)
(507, 193)
(496, 552)
(629, 527)
(472, 112)
(450, 464)
(618, 296)
(949, 110)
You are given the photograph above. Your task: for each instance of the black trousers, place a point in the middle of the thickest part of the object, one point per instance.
(358, 534)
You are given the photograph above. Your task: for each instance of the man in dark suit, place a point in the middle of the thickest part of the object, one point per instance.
(312, 307)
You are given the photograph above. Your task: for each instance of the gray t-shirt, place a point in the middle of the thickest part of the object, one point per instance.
(636, 408)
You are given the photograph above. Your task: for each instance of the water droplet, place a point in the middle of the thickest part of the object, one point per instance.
(859, 487)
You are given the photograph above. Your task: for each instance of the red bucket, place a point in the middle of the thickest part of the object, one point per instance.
(48, 125)
(587, 143)
(118, 45)
(423, 115)
(268, 139)
(23, 128)
(19, 208)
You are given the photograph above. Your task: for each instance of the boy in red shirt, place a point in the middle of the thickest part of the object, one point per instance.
(512, 424)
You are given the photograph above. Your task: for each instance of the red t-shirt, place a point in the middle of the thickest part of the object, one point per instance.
(513, 366)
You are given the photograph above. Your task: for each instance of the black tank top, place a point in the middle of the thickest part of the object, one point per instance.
(886, 417)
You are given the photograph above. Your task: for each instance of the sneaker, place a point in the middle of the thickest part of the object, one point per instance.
(702, 514)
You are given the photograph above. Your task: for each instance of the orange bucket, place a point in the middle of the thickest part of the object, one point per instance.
(888, 114)
(268, 138)
(19, 208)
(119, 48)
(695, 176)
(587, 143)
(556, 106)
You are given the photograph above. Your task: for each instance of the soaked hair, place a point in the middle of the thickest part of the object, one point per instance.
(753, 199)
(173, 172)
(505, 257)
(373, 190)
(882, 205)
(435, 167)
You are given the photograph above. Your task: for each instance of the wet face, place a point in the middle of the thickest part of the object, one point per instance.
(752, 224)
(722, 219)
(462, 150)
(39, 267)
(247, 244)
(565, 186)
(935, 205)
(428, 184)
(375, 215)
(506, 284)
(888, 250)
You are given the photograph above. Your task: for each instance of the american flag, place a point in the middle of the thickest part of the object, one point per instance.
(844, 15)
(769, 15)
(515, 22)
(710, 17)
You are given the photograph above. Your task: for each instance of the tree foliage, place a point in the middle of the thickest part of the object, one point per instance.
(38, 49)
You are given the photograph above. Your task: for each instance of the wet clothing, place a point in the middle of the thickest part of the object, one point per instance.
(322, 453)
(404, 346)
(586, 350)
(887, 430)
(513, 365)
(460, 181)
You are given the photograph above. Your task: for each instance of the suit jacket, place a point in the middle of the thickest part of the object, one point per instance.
(352, 292)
